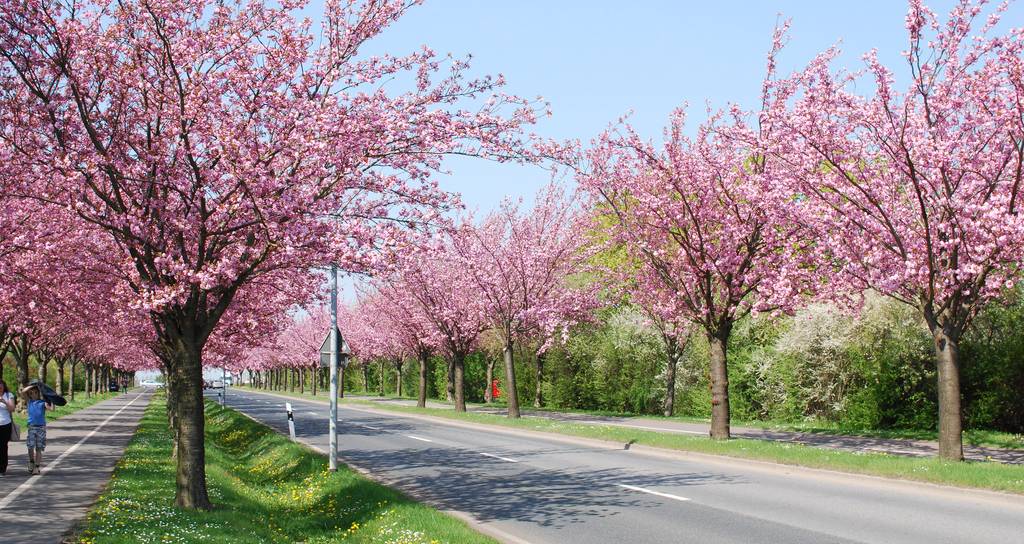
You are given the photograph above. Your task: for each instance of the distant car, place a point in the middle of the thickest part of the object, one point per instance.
(218, 384)
(151, 383)
(207, 384)
(114, 387)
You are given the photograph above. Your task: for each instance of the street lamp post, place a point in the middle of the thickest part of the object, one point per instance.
(333, 446)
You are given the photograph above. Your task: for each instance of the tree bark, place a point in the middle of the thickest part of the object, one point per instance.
(60, 378)
(450, 385)
(510, 382)
(668, 407)
(459, 371)
(398, 377)
(71, 379)
(421, 400)
(21, 349)
(538, 396)
(187, 376)
(489, 388)
(947, 356)
(316, 378)
(43, 361)
(366, 377)
(719, 385)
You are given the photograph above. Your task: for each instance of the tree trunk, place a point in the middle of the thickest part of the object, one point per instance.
(43, 361)
(366, 377)
(947, 356)
(450, 385)
(291, 386)
(71, 379)
(719, 385)
(421, 400)
(459, 374)
(21, 354)
(187, 376)
(60, 378)
(398, 377)
(668, 407)
(489, 387)
(382, 375)
(341, 382)
(511, 394)
(538, 396)
(316, 377)
(302, 380)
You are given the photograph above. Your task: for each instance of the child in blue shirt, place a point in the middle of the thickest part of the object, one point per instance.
(35, 440)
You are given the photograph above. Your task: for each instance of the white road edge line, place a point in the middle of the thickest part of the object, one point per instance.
(658, 493)
(313, 413)
(6, 501)
(418, 438)
(367, 426)
(498, 457)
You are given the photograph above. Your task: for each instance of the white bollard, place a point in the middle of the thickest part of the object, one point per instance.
(291, 420)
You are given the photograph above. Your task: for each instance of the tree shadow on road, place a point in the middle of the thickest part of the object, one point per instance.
(492, 489)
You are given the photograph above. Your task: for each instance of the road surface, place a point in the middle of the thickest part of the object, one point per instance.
(558, 490)
(893, 446)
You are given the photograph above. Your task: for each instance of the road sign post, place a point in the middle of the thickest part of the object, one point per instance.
(291, 421)
(333, 442)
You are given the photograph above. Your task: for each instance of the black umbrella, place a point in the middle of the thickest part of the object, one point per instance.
(49, 395)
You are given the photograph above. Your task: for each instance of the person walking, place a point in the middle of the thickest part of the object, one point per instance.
(35, 439)
(6, 424)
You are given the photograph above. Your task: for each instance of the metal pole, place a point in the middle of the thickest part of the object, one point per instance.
(333, 444)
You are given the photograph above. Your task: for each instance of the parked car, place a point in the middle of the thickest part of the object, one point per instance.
(218, 384)
(207, 384)
(114, 388)
(151, 383)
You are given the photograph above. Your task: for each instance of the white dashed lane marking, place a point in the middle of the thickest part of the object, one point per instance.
(498, 457)
(651, 492)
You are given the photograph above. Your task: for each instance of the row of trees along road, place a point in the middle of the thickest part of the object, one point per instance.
(188, 167)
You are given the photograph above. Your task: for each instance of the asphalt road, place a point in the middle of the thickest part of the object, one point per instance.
(893, 446)
(81, 451)
(543, 490)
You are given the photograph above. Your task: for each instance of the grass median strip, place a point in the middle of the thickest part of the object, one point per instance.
(993, 476)
(265, 489)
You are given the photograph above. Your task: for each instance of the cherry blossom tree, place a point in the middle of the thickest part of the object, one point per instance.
(217, 143)
(390, 310)
(445, 302)
(702, 219)
(915, 193)
(522, 264)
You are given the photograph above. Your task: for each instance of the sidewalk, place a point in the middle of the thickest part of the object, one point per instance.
(81, 451)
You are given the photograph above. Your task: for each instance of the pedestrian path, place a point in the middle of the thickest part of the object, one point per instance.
(81, 451)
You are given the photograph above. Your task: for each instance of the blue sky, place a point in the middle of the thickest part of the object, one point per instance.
(596, 60)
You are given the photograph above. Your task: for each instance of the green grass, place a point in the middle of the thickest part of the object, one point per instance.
(71, 407)
(265, 489)
(994, 476)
